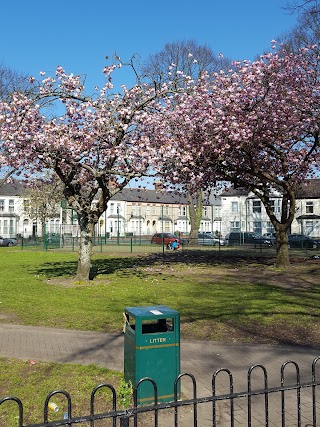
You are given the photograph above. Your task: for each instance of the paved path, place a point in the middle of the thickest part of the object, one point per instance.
(200, 358)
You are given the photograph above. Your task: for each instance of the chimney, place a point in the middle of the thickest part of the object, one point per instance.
(158, 186)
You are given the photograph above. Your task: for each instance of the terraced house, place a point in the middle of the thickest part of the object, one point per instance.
(241, 210)
(143, 212)
(131, 212)
(13, 222)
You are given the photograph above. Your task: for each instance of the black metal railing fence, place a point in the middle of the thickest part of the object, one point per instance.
(303, 411)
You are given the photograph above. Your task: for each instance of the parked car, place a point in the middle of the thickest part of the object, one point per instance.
(208, 239)
(302, 241)
(247, 237)
(271, 237)
(4, 241)
(53, 238)
(164, 238)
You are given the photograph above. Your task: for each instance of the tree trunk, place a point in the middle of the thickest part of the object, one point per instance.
(85, 253)
(288, 208)
(195, 215)
(282, 260)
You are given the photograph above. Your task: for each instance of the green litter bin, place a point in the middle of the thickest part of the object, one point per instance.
(152, 349)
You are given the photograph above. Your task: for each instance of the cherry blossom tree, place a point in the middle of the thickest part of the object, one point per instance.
(10, 81)
(95, 146)
(256, 126)
(192, 59)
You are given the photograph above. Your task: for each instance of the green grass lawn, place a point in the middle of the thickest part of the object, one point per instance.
(31, 382)
(230, 299)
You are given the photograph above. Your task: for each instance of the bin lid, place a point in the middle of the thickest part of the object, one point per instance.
(151, 311)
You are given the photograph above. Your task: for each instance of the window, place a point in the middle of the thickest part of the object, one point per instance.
(5, 226)
(309, 228)
(275, 205)
(182, 211)
(167, 226)
(1, 205)
(26, 204)
(207, 226)
(270, 228)
(309, 207)
(11, 205)
(272, 205)
(257, 228)
(234, 226)
(117, 225)
(256, 206)
(111, 208)
(234, 206)
(11, 227)
(205, 211)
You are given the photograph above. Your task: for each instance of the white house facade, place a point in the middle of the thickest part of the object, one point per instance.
(131, 212)
(13, 221)
(241, 210)
(137, 212)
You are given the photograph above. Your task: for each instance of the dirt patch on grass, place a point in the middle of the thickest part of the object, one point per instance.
(254, 332)
(298, 322)
(258, 302)
(8, 318)
(72, 283)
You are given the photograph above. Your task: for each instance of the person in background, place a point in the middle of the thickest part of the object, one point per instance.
(175, 245)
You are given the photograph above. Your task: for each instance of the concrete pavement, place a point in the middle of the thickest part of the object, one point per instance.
(200, 358)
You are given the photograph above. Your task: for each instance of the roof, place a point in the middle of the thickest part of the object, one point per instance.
(165, 218)
(18, 188)
(212, 200)
(13, 188)
(134, 195)
(309, 189)
(115, 216)
(150, 196)
(308, 216)
(231, 191)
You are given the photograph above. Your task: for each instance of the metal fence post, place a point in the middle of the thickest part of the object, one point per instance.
(124, 420)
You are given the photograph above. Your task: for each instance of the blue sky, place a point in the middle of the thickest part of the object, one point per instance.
(78, 34)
